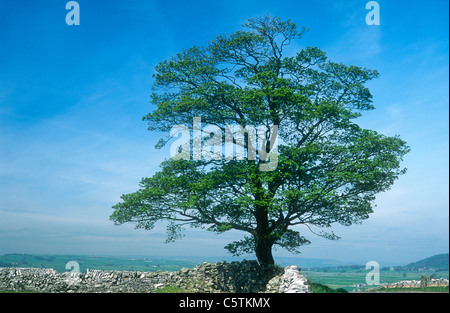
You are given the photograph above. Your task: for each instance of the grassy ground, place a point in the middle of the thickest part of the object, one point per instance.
(315, 288)
(320, 288)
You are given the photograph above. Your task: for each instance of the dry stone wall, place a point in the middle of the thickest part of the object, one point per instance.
(432, 282)
(235, 277)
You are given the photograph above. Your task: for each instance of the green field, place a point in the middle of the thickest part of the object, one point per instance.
(349, 280)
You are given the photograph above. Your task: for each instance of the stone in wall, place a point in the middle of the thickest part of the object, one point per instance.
(438, 282)
(237, 277)
(441, 282)
(292, 281)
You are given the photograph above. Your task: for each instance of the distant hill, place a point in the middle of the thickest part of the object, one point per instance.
(58, 262)
(438, 262)
(310, 262)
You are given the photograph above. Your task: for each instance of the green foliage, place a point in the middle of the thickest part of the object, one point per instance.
(329, 168)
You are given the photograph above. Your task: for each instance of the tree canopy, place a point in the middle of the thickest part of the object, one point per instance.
(328, 169)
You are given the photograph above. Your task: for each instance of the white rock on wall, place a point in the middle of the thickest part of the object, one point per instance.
(293, 282)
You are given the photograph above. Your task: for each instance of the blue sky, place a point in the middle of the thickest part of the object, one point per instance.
(72, 98)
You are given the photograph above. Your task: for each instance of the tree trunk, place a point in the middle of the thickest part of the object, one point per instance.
(263, 249)
(263, 240)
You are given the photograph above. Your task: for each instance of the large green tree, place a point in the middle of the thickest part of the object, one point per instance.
(328, 168)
